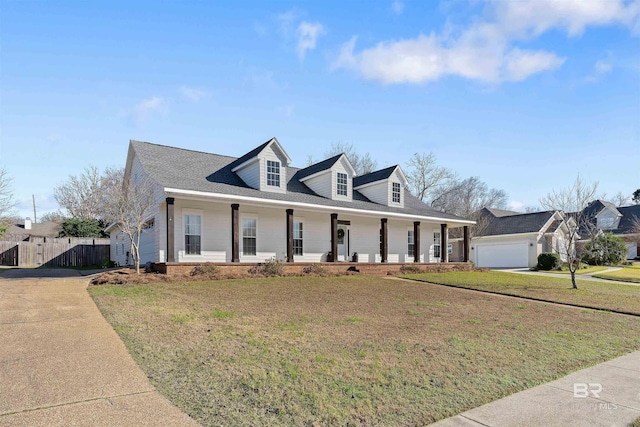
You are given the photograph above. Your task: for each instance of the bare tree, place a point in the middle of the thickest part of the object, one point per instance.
(620, 199)
(532, 209)
(7, 202)
(362, 163)
(52, 217)
(84, 196)
(426, 178)
(571, 203)
(464, 198)
(129, 208)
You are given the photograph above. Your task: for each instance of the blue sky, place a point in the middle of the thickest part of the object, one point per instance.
(526, 95)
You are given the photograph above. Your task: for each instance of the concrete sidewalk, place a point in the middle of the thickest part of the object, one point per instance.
(607, 394)
(61, 363)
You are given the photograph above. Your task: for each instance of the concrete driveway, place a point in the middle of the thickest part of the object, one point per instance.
(61, 363)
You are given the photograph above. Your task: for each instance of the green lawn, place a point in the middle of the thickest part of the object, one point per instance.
(627, 274)
(606, 296)
(351, 350)
(586, 270)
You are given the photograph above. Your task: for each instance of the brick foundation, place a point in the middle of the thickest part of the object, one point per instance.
(374, 269)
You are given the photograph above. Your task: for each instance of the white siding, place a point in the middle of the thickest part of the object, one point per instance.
(269, 154)
(342, 167)
(250, 174)
(378, 192)
(322, 184)
(215, 238)
(316, 237)
(395, 177)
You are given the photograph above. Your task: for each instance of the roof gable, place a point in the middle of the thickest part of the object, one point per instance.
(324, 166)
(379, 175)
(252, 155)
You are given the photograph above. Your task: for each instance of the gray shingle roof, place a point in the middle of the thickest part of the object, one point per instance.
(373, 176)
(516, 224)
(251, 154)
(501, 212)
(630, 214)
(40, 229)
(198, 171)
(318, 167)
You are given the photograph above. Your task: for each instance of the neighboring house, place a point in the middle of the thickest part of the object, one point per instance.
(25, 231)
(621, 221)
(215, 208)
(513, 239)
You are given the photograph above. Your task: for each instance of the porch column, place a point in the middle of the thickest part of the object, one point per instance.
(171, 235)
(334, 237)
(444, 240)
(416, 241)
(235, 233)
(465, 254)
(384, 244)
(289, 235)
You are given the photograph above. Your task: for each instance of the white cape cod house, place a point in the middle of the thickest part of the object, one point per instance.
(215, 208)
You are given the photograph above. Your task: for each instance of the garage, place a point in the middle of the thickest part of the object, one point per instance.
(513, 254)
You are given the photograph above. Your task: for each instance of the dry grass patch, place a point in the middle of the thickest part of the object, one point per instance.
(351, 350)
(600, 295)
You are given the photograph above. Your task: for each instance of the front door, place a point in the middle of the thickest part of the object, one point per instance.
(343, 242)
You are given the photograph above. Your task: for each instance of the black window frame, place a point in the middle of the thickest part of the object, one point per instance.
(249, 242)
(298, 238)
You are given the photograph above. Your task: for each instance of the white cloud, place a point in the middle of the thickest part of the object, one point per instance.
(308, 34)
(287, 19)
(192, 94)
(601, 68)
(534, 17)
(148, 108)
(484, 51)
(520, 64)
(397, 7)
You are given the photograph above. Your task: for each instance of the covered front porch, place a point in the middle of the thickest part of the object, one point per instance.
(197, 231)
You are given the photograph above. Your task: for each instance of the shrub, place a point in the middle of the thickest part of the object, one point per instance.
(271, 267)
(206, 269)
(410, 269)
(317, 270)
(109, 264)
(606, 249)
(548, 261)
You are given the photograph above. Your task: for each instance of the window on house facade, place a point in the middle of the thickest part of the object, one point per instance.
(395, 192)
(249, 236)
(449, 248)
(341, 184)
(297, 238)
(273, 173)
(411, 243)
(192, 234)
(436, 245)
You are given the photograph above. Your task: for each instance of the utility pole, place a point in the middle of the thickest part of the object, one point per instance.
(35, 219)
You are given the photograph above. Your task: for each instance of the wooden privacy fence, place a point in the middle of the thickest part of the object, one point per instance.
(61, 252)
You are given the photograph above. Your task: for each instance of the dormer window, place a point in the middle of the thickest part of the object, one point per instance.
(341, 184)
(273, 173)
(395, 192)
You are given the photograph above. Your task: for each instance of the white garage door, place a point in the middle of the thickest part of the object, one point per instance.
(503, 255)
(632, 249)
